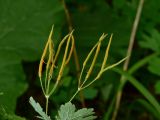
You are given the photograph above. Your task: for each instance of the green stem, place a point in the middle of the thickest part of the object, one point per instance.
(42, 86)
(74, 95)
(53, 89)
(47, 98)
(129, 52)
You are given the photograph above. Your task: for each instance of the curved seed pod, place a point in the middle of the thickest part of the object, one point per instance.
(97, 47)
(56, 55)
(71, 50)
(106, 53)
(65, 56)
(44, 53)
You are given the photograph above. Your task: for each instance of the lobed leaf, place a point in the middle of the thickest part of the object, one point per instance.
(68, 112)
(38, 109)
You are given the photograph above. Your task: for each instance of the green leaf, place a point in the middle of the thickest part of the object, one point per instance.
(142, 62)
(24, 27)
(151, 11)
(68, 112)
(5, 116)
(90, 93)
(66, 80)
(154, 66)
(1, 93)
(25, 24)
(157, 87)
(106, 91)
(90, 29)
(38, 109)
(140, 88)
(119, 3)
(12, 79)
(149, 107)
(60, 97)
(151, 42)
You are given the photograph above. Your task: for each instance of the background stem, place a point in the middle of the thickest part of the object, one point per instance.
(70, 27)
(129, 52)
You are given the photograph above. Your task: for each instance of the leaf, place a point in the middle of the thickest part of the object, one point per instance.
(157, 87)
(148, 107)
(66, 80)
(90, 93)
(25, 24)
(154, 66)
(23, 33)
(151, 41)
(68, 112)
(119, 4)
(5, 116)
(60, 97)
(90, 29)
(106, 91)
(38, 109)
(12, 79)
(1, 93)
(151, 11)
(142, 62)
(140, 88)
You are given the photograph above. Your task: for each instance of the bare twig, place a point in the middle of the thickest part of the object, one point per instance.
(129, 52)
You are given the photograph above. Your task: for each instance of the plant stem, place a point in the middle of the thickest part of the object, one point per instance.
(42, 86)
(76, 60)
(142, 62)
(129, 52)
(47, 98)
(74, 95)
(54, 88)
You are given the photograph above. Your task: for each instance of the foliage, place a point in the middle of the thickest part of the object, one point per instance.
(39, 109)
(22, 36)
(24, 27)
(5, 116)
(49, 69)
(12, 84)
(157, 87)
(68, 112)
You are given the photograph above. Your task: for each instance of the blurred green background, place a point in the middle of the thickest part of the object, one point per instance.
(24, 30)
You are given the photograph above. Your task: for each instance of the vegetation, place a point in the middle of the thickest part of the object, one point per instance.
(129, 91)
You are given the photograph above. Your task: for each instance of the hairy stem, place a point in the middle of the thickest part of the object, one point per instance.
(129, 52)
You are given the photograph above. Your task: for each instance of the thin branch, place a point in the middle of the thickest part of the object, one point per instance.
(129, 52)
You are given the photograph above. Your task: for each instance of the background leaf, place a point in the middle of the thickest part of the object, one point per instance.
(6, 116)
(12, 79)
(90, 93)
(24, 27)
(157, 87)
(153, 66)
